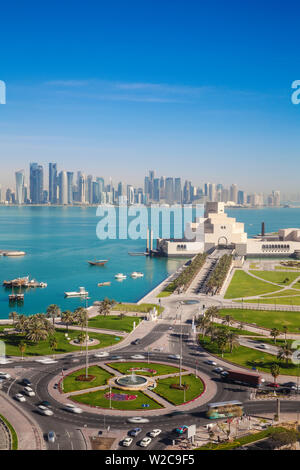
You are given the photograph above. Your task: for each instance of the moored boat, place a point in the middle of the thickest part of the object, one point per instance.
(81, 293)
(120, 276)
(136, 274)
(98, 262)
(107, 283)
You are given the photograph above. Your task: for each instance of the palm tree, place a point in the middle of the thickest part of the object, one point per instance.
(285, 353)
(274, 333)
(228, 320)
(68, 318)
(105, 306)
(36, 332)
(285, 329)
(81, 316)
(53, 344)
(13, 316)
(53, 311)
(81, 339)
(22, 347)
(275, 371)
(233, 340)
(212, 312)
(204, 323)
(21, 323)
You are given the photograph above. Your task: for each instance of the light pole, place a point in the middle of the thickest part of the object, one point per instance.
(180, 359)
(86, 340)
(110, 397)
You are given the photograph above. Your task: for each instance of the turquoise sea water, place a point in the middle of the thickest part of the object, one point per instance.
(59, 241)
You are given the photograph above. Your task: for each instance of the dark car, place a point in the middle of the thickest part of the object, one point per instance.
(45, 403)
(134, 432)
(26, 382)
(136, 341)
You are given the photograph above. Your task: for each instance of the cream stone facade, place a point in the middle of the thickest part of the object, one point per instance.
(216, 229)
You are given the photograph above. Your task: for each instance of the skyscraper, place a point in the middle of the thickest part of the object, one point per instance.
(177, 191)
(70, 176)
(36, 183)
(20, 186)
(63, 188)
(169, 194)
(53, 183)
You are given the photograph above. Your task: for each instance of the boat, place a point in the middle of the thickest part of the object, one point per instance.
(136, 274)
(98, 262)
(16, 297)
(107, 283)
(13, 253)
(138, 253)
(81, 293)
(120, 276)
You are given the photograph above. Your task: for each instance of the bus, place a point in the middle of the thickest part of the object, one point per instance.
(225, 409)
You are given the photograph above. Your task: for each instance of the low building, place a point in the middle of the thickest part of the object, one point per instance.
(217, 229)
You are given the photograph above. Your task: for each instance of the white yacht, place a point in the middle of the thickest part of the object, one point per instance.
(120, 276)
(82, 293)
(136, 274)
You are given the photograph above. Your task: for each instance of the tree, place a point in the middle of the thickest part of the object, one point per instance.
(285, 353)
(53, 311)
(53, 344)
(68, 318)
(105, 306)
(233, 340)
(204, 323)
(285, 330)
(81, 316)
(228, 320)
(274, 333)
(275, 371)
(81, 339)
(22, 348)
(13, 316)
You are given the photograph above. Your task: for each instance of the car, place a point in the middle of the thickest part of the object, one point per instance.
(138, 419)
(210, 363)
(73, 408)
(145, 442)
(263, 346)
(224, 373)
(273, 385)
(136, 341)
(218, 370)
(170, 327)
(174, 356)
(26, 382)
(101, 354)
(43, 410)
(20, 397)
(137, 356)
(127, 441)
(155, 433)
(29, 392)
(134, 432)
(55, 386)
(51, 436)
(45, 403)
(114, 358)
(4, 375)
(181, 429)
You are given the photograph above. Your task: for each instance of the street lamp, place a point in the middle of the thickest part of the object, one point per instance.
(86, 340)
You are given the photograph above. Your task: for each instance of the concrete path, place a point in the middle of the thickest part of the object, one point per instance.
(30, 436)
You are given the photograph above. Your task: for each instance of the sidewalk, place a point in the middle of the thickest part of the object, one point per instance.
(30, 437)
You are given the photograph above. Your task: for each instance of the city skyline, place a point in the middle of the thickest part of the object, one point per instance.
(69, 187)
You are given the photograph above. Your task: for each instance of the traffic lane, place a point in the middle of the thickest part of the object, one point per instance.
(259, 346)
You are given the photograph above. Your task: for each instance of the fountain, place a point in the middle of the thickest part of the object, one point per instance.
(132, 381)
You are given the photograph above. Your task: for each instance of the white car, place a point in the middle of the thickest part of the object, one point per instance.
(263, 346)
(19, 397)
(127, 441)
(44, 410)
(145, 442)
(210, 363)
(101, 354)
(73, 408)
(138, 419)
(155, 433)
(29, 392)
(4, 375)
(218, 370)
(51, 436)
(137, 356)
(174, 356)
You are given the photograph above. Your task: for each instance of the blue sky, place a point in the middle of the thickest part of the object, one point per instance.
(197, 89)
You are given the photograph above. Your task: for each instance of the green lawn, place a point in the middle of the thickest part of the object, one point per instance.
(243, 285)
(141, 308)
(275, 276)
(70, 384)
(284, 292)
(249, 358)
(176, 397)
(295, 300)
(164, 294)
(161, 369)
(266, 318)
(42, 348)
(238, 331)
(113, 322)
(98, 399)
